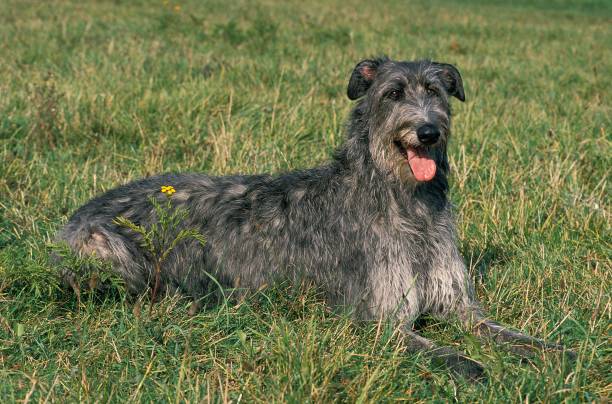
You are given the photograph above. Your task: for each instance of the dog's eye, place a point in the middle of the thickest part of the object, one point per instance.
(431, 91)
(394, 94)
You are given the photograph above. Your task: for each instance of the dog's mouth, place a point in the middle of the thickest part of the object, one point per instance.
(418, 158)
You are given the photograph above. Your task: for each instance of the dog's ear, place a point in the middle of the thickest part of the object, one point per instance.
(362, 77)
(451, 79)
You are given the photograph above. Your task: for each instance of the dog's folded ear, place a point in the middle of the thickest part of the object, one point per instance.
(451, 79)
(362, 77)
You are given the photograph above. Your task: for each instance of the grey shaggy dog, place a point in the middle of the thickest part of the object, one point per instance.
(373, 229)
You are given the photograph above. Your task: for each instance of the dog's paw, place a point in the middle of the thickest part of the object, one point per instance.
(531, 351)
(568, 354)
(459, 364)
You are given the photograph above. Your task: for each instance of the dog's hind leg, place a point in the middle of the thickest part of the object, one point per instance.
(98, 241)
(455, 361)
(516, 341)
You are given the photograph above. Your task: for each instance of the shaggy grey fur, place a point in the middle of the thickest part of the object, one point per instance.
(362, 228)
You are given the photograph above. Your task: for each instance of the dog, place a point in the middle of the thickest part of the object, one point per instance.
(373, 228)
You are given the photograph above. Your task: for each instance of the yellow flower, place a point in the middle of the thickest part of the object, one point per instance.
(168, 189)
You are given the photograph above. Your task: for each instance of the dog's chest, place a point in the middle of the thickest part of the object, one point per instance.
(409, 271)
(413, 251)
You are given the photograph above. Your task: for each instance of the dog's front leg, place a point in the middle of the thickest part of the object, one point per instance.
(455, 361)
(516, 341)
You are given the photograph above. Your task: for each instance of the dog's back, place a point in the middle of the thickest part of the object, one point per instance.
(257, 228)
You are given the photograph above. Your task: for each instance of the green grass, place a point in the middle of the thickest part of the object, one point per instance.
(97, 94)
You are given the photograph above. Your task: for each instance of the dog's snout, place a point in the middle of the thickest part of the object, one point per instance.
(428, 134)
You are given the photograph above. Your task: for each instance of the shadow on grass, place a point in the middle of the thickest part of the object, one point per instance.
(481, 259)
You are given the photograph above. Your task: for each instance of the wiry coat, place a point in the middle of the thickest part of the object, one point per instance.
(361, 228)
(368, 240)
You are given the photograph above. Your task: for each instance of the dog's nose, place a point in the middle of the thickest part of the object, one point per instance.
(428, 134)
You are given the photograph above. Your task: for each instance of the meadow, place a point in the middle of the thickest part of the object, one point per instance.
(97, 93)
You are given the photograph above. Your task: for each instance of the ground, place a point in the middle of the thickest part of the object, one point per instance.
(95, 94)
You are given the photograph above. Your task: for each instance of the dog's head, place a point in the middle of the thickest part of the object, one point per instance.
(406, 107)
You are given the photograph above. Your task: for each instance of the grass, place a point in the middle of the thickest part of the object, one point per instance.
(99, 93)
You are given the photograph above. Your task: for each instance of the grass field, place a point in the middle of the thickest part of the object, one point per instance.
(94, 94)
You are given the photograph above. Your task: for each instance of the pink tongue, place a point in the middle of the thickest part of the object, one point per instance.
(423, 167)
